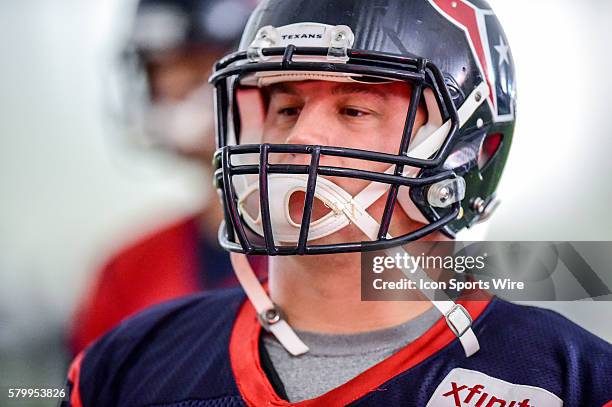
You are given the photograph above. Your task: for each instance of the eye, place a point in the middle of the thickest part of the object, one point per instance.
(289, 111)
(353, 112)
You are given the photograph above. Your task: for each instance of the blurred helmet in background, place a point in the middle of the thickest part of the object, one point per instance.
(162, 97)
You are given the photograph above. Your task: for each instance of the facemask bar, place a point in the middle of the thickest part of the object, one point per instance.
(419, 72)
(415, 99)
(228, 170)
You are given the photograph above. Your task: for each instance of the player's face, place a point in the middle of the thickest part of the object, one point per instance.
(359, 116)
(174, 75)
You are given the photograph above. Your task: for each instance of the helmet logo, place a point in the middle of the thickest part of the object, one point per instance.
(489, 48)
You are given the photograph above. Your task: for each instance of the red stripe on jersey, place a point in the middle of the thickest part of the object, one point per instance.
(74, 374)
(257, 390)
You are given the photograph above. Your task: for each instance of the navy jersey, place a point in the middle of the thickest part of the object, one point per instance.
(204, 351)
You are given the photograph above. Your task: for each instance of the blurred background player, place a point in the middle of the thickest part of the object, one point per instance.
(166, 103)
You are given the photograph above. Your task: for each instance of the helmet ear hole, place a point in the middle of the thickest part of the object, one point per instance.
(489, 147)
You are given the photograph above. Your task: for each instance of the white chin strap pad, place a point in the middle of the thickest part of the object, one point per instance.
(280, 188)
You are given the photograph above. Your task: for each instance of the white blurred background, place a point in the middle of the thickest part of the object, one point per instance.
(70, 192)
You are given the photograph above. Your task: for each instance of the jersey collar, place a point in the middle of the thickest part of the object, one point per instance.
(256, 389)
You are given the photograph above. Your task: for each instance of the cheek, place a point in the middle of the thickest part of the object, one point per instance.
(394, 128)
(272, 132)
(267, 130)
(391, 132)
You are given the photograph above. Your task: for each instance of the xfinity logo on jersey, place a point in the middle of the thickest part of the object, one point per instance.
(479, 395)
(470, 388)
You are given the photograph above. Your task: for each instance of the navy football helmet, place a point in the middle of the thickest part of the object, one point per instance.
(456, 58)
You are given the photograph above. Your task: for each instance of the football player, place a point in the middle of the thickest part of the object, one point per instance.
(166, 103)
(379, 123)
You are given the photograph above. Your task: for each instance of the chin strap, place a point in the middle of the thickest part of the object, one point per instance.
(354, 210)
(269, 315)
(457, 317)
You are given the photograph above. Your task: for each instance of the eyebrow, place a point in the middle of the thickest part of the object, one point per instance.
(339, 89)
(352, 88)
(280, 88)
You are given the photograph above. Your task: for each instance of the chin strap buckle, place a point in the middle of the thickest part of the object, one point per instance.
(270, 317)
(458, 320)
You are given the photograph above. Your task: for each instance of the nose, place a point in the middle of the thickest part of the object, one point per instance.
(312, 127)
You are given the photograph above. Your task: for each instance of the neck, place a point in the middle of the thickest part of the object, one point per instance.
(323, 294)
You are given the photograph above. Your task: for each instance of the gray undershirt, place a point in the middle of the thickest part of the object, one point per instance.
(335, 359)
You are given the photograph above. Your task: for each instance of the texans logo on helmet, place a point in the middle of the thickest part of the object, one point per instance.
(490, 48)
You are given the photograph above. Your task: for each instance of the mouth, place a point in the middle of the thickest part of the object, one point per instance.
(296, 208)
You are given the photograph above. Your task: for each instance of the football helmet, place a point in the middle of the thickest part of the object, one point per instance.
(163, 31)
(456, 58)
